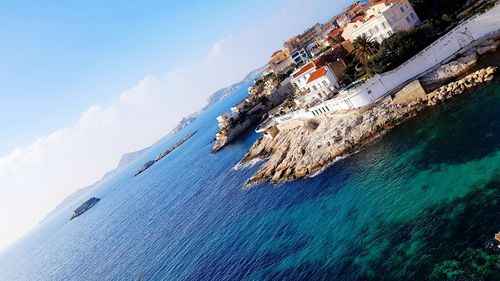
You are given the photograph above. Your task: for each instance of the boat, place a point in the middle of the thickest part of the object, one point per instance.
(84, 207)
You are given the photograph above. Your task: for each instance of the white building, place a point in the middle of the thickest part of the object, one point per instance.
(363, 93)
(300, 56)
(301, 76)
(225, 119)
(322, 83)
(349, 13)
(304, 77)
(382, 19)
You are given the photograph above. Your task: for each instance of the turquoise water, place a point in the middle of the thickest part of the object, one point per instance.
(423, 198)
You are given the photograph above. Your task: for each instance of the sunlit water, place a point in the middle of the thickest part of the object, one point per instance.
(421, 194)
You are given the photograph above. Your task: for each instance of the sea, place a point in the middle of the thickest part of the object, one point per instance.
(419, 203)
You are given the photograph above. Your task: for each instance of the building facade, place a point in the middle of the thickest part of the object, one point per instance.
(323, 83)
(381, 20)
(280, 61)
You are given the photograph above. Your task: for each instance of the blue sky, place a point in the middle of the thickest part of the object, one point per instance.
(58, 57)
(81, 78)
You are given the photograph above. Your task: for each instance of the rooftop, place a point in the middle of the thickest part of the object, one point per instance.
(358, 18)
(275, 53)
(317, 74)
(336, 32)
(304, 69)
(319, 61)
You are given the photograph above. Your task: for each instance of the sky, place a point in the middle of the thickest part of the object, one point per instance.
(80, 79)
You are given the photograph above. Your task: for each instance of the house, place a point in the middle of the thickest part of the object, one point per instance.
(381, 20)
(325, 81)
(300, 56)
(239, 107)
(268, 70)
(298, 46)
(280, 61)
(349, 13)
(333, 57)
(301, 75)
(225, 119)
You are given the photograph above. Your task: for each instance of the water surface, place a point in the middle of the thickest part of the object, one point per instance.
(423, 196)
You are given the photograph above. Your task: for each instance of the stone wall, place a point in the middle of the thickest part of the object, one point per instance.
(468, 34)
(442, 50)
(409, 93)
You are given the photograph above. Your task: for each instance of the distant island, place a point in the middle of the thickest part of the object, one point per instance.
(216, 97)
(164, 153)
(131, 156)
(84, 207)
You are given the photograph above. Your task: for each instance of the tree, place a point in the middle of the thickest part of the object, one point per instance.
(400, 47)
(334, 40)
(364, 48)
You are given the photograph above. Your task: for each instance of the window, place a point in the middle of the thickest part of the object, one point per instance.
(325, 83)
(408, 19)
(392, 20)
(402, 9)
(412, 15)
(371, 32)
(314, 87)
(383, 25)
(390, 33)
(376, 28)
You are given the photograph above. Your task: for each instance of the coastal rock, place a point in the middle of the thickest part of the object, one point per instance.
(304, 147)
(450, 70)
(487, 46)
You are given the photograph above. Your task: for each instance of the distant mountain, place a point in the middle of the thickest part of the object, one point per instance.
(126, 159)
(215, 97)
(225, 92)
(131, 156)
(185, 121)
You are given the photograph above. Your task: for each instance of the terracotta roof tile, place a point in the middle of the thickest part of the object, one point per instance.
(336, 32)
(358, 18)
(305, 68)
(317, 74)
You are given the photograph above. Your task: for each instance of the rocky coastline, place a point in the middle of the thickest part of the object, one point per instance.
(304, 147)
(267, 93)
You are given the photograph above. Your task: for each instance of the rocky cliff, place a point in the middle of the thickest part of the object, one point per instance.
(304, 147)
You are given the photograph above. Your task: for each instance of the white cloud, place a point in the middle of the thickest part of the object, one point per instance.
(34, 179)
(217, 49)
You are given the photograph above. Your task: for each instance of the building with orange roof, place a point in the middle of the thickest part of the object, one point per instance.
(319, 78)
(325, 81)
(336, 32)
(301, 75)
(349, 13)
(280, 61)
(381, 20)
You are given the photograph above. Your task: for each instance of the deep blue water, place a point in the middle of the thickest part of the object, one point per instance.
(423, 194)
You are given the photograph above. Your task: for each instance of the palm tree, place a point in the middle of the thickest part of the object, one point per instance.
(364, 47)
